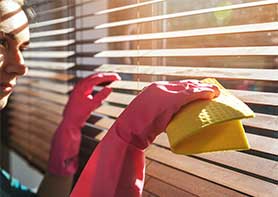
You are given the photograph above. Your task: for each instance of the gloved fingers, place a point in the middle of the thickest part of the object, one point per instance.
(205, 85)
(181, 82)
(175, 87)
(204, 93)
(103, 78)
(86, 85)
(186, 81)
(172, 88)
(191, 83)
(210, 86)
(179, 85)
(100, 96)
(216, 89)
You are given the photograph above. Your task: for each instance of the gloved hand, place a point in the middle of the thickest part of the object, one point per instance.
(116, 167)
(66, 140)
(150, 112)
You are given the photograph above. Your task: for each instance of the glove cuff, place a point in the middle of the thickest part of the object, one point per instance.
(63, 159)
(116, 168)
(113, 132)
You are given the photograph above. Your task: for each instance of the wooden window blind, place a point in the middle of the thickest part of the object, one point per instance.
(235, 42)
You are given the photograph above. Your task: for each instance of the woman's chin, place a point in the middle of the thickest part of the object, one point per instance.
(3, 102)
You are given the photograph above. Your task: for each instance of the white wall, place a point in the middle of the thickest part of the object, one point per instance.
(22, 171)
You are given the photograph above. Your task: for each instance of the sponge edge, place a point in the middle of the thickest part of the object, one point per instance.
(210, 125)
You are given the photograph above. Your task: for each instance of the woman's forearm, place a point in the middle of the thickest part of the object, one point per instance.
(55, 186)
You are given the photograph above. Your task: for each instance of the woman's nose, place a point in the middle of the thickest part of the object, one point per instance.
(15, 63)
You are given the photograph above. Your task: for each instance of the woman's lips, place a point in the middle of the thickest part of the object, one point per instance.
(6, 87)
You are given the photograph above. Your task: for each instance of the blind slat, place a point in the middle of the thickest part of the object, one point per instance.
(221, 51)
(22, 139)
(29, 150)
(127, 7)
(213, 173)
(62, 7)
(18, 107)
(50, 75)
(185, 181)
(254, 97)
(57, 9)
(46, 85)
(258, 27)
(262, 121)
(48, 54)
(51, 22)
(48, 106)
(263, 168)
(49, 65)
(32, 120)
(187, 13)
(195, 72)
(37, 140)
(51, 33)
(16, 144)
(54, 97)
(51, 43)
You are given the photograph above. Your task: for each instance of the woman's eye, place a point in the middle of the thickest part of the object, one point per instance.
(4, 42)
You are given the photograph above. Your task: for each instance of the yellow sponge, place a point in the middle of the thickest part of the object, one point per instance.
(209, 125)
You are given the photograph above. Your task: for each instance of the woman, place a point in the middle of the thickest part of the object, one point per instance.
(14, 38)
(116, 168)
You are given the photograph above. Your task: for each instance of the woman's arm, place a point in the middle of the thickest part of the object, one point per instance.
(116, 168)
(55, 185)
(63, 161)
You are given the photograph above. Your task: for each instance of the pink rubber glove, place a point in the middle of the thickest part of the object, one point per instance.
(63, 159)
(149, 114)
(116, 168)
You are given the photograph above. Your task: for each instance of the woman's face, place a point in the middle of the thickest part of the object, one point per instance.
(14, 38)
